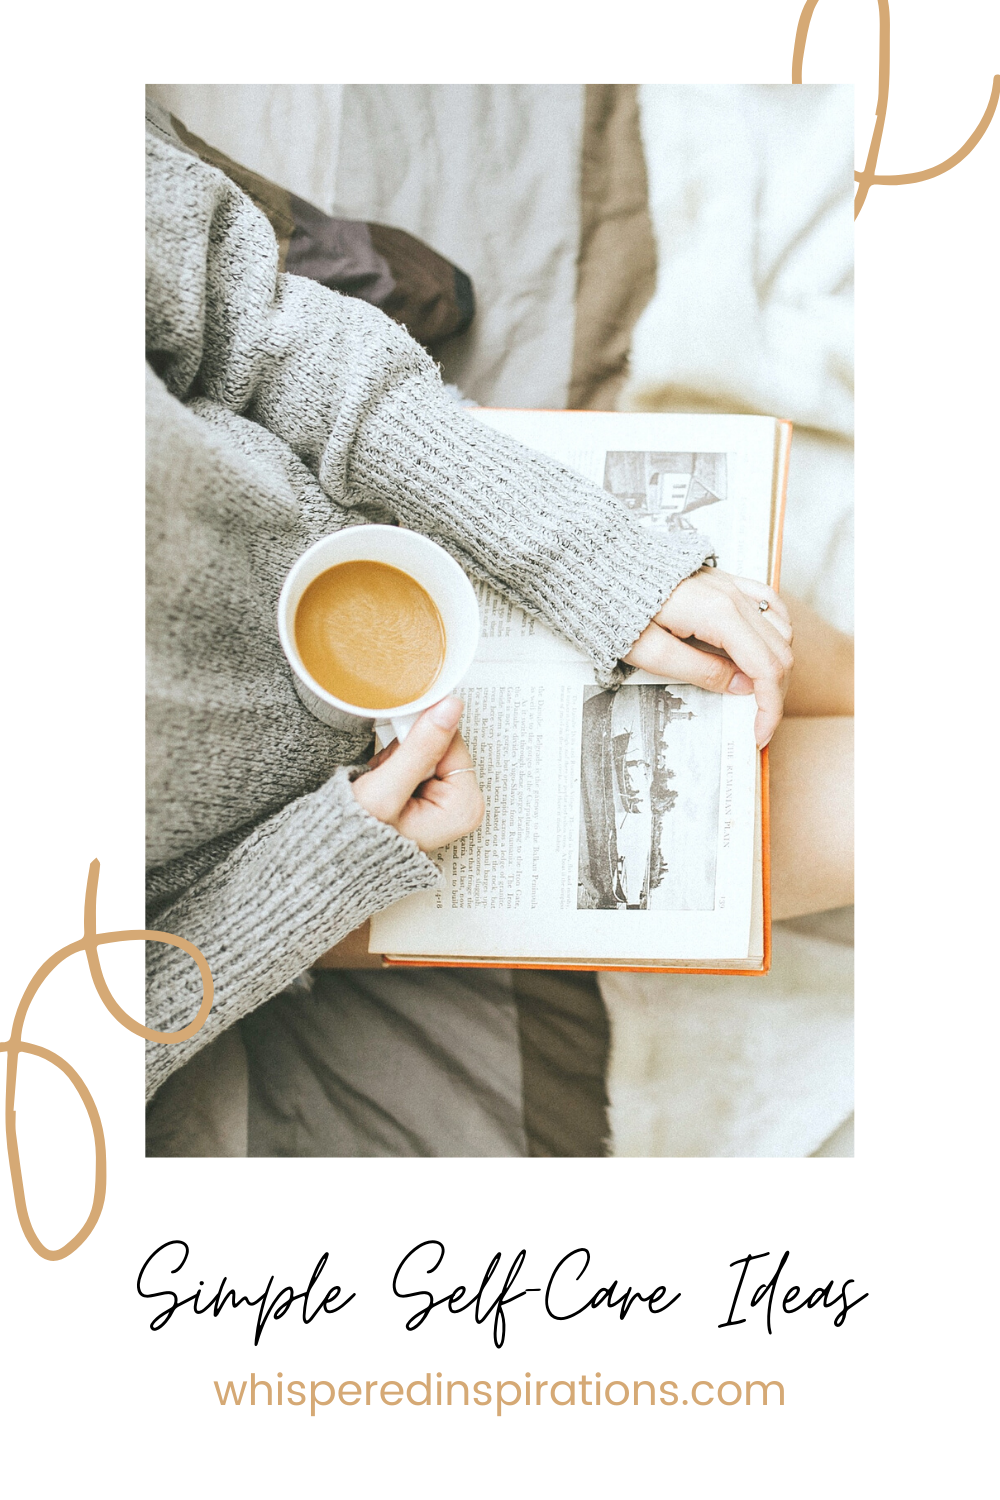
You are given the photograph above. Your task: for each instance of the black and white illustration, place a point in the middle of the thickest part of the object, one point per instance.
(649, 795)
(663, 489)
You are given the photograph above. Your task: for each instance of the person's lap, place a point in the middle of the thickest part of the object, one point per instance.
(812, 775)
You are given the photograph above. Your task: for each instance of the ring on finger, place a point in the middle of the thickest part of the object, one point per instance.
(763, 606)
(460, 772)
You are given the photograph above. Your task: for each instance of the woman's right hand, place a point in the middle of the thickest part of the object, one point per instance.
(410, 785)
(726, 612)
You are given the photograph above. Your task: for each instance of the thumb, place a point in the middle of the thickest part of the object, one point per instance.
(416, 759)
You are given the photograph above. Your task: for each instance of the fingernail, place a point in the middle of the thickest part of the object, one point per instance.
(740, 684)
(447, 713)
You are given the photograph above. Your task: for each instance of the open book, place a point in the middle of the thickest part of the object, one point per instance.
(624, 827)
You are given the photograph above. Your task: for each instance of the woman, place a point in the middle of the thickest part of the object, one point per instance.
(277, 412)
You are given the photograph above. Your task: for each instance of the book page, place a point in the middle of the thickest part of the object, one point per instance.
(619, 822)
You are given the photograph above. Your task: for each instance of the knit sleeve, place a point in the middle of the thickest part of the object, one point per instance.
(363, 406)
(298, 884)
(558, 545)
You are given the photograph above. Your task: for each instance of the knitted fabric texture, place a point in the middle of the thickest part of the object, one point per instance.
(279, 411)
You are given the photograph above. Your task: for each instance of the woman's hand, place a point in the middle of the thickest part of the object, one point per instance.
(725, 612)
(409, 785)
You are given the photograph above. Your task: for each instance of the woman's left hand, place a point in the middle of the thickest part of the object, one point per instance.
(723, 611)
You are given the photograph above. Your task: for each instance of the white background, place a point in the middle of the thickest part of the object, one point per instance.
(897, 1401)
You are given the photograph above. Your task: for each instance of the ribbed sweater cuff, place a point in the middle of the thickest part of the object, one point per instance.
(557, 544)
(294, 888)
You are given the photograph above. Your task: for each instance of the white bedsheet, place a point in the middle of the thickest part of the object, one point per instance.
(750, 191)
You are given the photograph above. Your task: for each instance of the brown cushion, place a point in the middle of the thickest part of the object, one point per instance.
(387, 267)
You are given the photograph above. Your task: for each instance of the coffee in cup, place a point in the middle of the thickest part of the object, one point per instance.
(391, 628)
(370, 635)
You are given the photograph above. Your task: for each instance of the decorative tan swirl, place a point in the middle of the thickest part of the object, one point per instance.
(15, 1045)
(868, 176)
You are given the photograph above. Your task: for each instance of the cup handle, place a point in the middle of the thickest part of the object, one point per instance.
(395, 729)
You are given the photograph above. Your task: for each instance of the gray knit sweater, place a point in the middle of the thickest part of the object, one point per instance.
(279, 411)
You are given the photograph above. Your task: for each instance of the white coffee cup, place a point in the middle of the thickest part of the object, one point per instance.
(436, 572)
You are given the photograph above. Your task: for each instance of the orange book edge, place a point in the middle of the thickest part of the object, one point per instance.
(782, 451)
